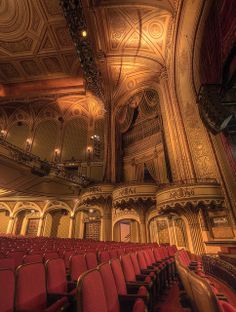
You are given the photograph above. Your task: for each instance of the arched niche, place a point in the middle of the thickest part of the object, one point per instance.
(126, 230)
(26, 221)
(57, 223)
(45, 139)
(4, 219)
(75, 139)
(18, 134)
(88, 223)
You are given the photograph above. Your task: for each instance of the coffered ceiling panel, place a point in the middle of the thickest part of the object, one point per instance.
(35, 43)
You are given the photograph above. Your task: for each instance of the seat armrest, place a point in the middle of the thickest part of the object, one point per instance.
(52, 297)
(147, 285)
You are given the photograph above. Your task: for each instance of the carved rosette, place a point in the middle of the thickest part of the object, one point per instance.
(176, 198)
(126, 197)
(97, 195)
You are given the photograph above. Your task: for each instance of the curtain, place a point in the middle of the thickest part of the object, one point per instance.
(152, 168)
(139, 172)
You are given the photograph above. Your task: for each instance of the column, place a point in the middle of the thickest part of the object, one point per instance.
(175, 137)
(10, 225)
(71, 226)
(195, 230)
(107, 226)
(143, 236)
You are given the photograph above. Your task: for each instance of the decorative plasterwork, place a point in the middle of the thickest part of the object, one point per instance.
(121, 214)
(97, 195)
(35, 43)
(199, 195)
(128, 196)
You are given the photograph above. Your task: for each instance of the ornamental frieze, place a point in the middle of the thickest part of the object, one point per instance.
(178, 197)
(182, 193)
(138, 194)
(97, 194)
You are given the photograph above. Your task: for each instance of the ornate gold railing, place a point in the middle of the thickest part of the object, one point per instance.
(220, 269)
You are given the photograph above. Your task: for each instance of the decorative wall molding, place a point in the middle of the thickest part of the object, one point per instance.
(137, 194)
(199, 195)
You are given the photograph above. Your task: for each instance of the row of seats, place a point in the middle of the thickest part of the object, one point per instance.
(48, 286)
(199, 291)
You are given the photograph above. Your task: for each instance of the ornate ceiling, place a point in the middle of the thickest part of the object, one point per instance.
(35, 43)
(132, 41)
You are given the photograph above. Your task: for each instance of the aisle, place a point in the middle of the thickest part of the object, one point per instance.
(170, 301)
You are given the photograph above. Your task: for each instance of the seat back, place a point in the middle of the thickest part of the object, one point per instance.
(7, 290)
(118, 276)
(136, 266)
(50, 255)
(30, 287)
(204, 298)
(128, 268)
(91, 294)
(141, 260)
(77, 266)
(104, 256)
(32, 258)
(7, 263)
(183, 274)
(91, 260)
(109, 287)
(56, 276)
(113, 253)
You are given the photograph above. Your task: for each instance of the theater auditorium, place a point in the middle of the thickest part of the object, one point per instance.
(117, 156)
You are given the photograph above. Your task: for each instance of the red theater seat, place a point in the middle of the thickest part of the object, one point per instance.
(7, 290)
(56, 279)
(7, 263)
(32, 258)
(31, 290)
(78, 266)
(91, 260)
(92, 297)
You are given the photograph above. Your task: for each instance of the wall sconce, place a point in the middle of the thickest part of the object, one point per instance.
(3, 134)
(84, 33)
(91, 210)
(89, 153)
(28, 144)
(96, 145)
(56, 154)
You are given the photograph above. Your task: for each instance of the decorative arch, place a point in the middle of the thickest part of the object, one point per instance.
(4, 206)
(57, 205)
(20, 206)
